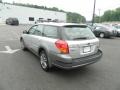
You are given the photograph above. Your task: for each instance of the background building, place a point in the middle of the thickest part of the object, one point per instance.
(28, 15)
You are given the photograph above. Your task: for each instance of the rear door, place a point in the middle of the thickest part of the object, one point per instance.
(50, 36)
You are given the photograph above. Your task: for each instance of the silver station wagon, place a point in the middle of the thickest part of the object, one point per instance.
(65, 45)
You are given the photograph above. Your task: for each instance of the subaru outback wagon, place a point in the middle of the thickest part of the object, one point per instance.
(65, 45)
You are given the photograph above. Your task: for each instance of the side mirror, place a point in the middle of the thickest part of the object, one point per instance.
(25, 32)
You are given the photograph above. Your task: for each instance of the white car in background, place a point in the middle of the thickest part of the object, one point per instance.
(118, 29)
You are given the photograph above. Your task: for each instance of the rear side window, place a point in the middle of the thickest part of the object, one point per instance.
(50, 31)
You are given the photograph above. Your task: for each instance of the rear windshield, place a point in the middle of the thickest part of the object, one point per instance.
(77, 33)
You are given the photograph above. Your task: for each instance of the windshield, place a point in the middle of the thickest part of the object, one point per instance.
(75, 33)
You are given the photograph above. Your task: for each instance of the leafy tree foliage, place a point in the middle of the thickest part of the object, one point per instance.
(97, 19)
(111, 15)
(108, 16)
(75, 17)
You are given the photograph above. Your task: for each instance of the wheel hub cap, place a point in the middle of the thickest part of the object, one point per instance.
(43, 61)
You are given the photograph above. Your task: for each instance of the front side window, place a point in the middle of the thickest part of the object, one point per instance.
(50, 31)
(32, 30)
(77, 32)
(38, 30)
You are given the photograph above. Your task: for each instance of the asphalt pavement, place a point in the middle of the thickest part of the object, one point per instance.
(21, 70)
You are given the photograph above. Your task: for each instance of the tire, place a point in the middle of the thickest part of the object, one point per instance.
(23, 45)
(101, 35)
(44, 61)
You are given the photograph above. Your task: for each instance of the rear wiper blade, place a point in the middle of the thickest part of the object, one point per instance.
(81, 38)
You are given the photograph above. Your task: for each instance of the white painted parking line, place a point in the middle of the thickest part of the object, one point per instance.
(9, 50)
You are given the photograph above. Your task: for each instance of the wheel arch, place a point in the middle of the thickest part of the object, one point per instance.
(47, 52)
(41, 49)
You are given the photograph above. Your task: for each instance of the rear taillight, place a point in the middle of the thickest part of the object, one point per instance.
(62, 46)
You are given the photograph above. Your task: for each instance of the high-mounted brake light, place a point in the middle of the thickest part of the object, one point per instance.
(62, 46)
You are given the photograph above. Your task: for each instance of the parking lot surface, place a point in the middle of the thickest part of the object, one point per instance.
(20, 70)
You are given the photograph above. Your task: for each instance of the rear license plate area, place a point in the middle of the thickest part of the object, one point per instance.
(86, 49)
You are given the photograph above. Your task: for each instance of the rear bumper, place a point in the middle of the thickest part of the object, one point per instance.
(74, 63)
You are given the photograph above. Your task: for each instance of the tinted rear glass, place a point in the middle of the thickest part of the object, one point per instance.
(77, 33)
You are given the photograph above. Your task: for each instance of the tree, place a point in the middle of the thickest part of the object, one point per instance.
(55, 9)
(75, 18)
(111, 15)
(118, 13)
(97, 19)
(107, 16)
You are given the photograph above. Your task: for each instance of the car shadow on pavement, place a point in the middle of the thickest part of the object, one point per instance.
(77, 72)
